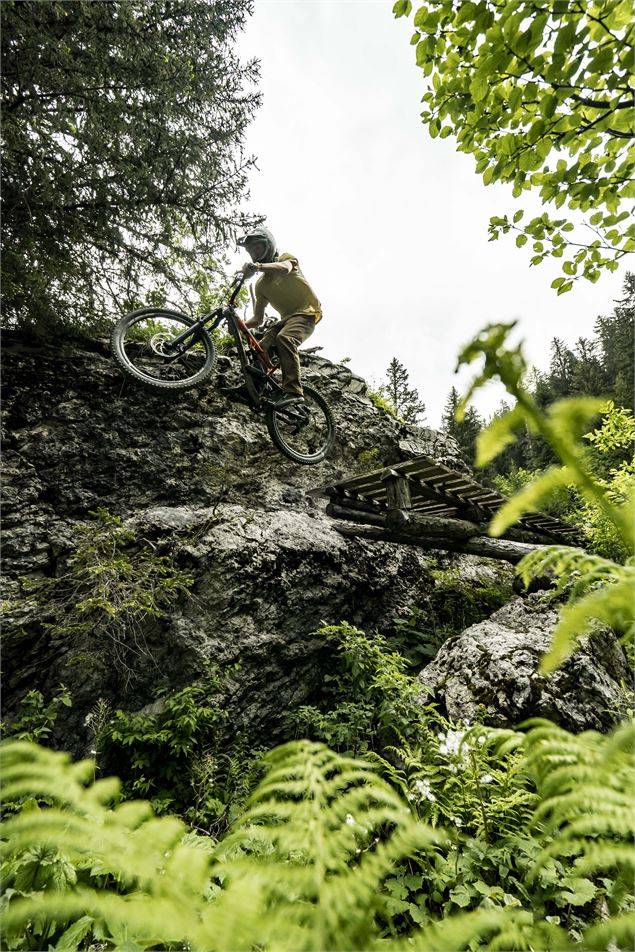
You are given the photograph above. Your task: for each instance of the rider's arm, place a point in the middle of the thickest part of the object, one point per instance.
(250, 268)
(286, 266)
(259, 313)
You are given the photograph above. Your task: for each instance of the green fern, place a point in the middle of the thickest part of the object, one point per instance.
(590, 602)
(328, 833)
(305, 868)
(602, 591)
(302, 870)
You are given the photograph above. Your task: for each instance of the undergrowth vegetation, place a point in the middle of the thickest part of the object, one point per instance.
(328, 855)
(180, 759)
(112, 583)
(383, 827)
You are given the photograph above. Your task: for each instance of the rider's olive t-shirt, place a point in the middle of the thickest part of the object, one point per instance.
(289, 293)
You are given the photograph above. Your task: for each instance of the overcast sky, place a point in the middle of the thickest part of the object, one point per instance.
(389, 225)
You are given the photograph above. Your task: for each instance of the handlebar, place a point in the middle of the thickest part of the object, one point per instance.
(236, 285)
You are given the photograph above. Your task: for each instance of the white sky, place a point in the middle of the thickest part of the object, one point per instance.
(389, 225)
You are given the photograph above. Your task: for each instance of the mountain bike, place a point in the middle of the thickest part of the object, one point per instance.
(168, 351)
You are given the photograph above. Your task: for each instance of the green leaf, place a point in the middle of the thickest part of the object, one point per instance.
(499, 434)
(479, 87)
(461, 895)
(70, 940)
(530, 497)
(578, 891)
(565, 287)
(402, 8)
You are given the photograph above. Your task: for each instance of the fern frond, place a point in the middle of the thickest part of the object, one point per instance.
(500, 928)
(611, 606)
(585, 782)
(617, 933)
(598, 856)
(331, 848)
(565, 562)
(530, 497)
(601, 591)
(498, 434)
(303, 869)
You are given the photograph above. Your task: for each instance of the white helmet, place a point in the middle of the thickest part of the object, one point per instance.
(260, 236)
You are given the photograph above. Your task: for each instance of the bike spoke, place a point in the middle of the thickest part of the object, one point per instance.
(304, 431)
(147, 347)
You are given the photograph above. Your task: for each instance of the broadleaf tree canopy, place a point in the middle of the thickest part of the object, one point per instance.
(541, 94)
(123, 128)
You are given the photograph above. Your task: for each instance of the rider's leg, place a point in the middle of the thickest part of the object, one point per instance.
(269, 339)
(291, 334)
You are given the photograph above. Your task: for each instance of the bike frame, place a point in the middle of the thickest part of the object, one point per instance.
(238, 330)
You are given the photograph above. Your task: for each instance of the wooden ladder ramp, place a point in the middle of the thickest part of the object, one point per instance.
(426, 504)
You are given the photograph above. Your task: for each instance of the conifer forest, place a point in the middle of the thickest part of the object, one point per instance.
(235, 719)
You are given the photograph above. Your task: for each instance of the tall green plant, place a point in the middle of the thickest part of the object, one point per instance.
(113, 583)
(315, 861)
(602, 590)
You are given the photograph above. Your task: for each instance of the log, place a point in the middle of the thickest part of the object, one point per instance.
(355, 515)
(397, 491)
(500, 549)
(419, 524)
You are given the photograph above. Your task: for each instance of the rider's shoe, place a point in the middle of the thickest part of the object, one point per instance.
(285, 399)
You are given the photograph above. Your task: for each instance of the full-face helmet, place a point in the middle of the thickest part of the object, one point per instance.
(260, 244)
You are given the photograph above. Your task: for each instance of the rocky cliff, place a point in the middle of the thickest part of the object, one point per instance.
(215, 522)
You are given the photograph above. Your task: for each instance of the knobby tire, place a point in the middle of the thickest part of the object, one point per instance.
(277, 436)
(123, 337)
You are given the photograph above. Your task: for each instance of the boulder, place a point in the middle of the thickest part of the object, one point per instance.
(490, 672)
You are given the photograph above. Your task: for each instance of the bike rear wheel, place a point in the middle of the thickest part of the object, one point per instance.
(140, 343)
(303, 433)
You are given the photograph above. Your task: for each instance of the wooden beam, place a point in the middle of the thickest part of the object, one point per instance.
(397, 491)
(501, 549)
(355, 515)
(416, 524)
(419, 524)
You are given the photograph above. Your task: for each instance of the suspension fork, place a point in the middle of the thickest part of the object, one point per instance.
(193, 331)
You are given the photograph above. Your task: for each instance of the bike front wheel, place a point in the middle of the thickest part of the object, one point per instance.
(141, 345)
(304, 433)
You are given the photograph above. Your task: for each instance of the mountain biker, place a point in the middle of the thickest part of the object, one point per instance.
(284, 287)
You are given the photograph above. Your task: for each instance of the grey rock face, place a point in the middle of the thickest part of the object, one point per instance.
(490, 672)
(198, 479)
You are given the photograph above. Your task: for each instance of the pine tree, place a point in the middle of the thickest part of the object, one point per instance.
(123, 126)
(463, 431)
(403, 398)
(615, 337)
